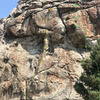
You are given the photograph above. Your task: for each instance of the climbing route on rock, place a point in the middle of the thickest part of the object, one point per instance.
(45, 49)
(42, 45)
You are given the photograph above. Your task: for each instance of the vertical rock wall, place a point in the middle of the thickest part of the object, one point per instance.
(42, 44)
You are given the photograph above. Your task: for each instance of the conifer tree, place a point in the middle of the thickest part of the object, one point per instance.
(88, 86)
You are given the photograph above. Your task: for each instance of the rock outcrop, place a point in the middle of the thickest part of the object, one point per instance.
(42, 43)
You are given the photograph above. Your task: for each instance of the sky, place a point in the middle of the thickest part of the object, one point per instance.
(6, 6)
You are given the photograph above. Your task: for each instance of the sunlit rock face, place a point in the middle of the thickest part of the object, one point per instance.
(42, 43)
(30, 17)
(31, 22)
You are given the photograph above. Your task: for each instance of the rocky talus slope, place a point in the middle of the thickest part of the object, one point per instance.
(41, 48)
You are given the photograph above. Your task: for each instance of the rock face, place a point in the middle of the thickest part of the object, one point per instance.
(42, 43)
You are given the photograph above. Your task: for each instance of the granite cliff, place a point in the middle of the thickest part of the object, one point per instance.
(41, 45)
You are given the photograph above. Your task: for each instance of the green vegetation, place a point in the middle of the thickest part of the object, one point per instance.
(88, 86)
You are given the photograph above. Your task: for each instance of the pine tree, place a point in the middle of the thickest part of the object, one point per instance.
(88, 86)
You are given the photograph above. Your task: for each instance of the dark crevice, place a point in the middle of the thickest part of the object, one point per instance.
(60, 15)
(17, 14)
(67, 10)
(5, 60)
(30, 61)
(72, 28)
(14, 70)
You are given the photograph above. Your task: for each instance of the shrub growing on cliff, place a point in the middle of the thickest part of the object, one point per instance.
(88, 86)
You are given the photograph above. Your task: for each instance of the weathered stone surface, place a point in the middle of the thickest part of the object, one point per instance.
(93, 14)
(78, 27)
(41, 48)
